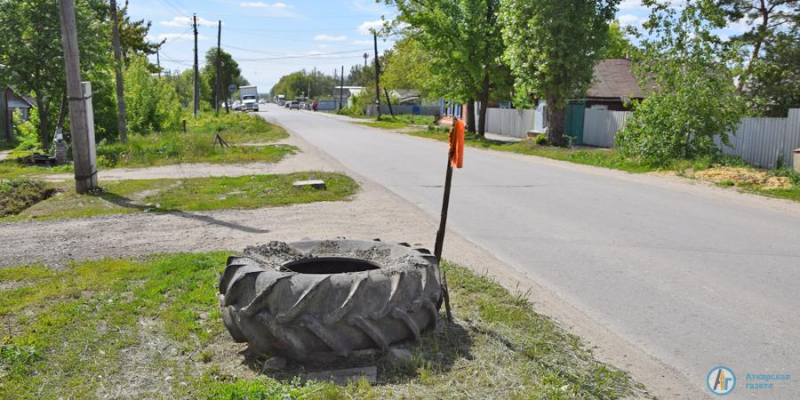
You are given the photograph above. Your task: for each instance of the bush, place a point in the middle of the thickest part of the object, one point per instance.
(153, 104)
(27, 132)
(540, 139)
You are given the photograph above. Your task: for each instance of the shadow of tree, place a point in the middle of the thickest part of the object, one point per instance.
(125, 202)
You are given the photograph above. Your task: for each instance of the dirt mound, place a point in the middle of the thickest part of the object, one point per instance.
(743, 176)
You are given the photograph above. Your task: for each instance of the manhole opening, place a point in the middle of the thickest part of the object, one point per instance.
(330, 265)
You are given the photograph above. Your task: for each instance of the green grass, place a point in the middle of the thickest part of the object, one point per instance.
(18, 194)
(176, 147)
(196, 194)
(150, 327)
(398, 121)
(607, 158)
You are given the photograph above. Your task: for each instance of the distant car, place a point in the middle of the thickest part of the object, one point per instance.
(287, 104)
(295, 105)
(237, 105)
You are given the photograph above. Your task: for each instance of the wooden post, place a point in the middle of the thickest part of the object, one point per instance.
(219, 89)
(437, 251)
(196, 70)
(5, 117)
(81, 121)
(122, 112)
(377, 76)
(389, 102)
(341, 90)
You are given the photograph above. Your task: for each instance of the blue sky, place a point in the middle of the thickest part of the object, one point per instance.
(272, 38)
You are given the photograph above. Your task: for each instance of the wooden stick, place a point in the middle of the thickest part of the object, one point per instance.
(442, 227)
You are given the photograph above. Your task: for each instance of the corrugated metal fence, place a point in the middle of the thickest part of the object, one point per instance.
(758, 141)
(600, 127)
(509, 122)
(766, 142)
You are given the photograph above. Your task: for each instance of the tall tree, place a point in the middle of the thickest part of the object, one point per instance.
(769, 77)
(407, 66)
(231, 74)
(693, 99)
(618, 45)
(31, 51)
(552, 48)
(464, 42)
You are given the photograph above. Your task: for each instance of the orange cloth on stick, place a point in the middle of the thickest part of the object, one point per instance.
(457, 144)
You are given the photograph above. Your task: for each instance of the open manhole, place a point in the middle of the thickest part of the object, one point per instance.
(334, 296)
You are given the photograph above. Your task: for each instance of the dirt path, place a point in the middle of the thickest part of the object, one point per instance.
(376, 212)
(4, 154)
(305, 160)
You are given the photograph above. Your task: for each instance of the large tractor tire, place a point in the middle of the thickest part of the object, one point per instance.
(303, 298)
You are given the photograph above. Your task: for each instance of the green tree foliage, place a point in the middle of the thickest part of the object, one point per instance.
(153, 103)
(618, 45)
(552, 48)
(31, 52)
(769, 80)
(693, 99)
(231, 74)
(463, 40)
(407, 66)
(299, 83)
(362, 75)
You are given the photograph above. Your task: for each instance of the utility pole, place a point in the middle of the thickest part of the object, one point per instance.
(341, 90)
(196, 70)
(158, 60)
(122, 113)
(81, 121)
(219, 89)
(377, 76)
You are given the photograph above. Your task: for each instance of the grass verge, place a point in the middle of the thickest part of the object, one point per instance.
(151, 328)
(398, 121)
(248, 135)
(705, 170)
(196, 194)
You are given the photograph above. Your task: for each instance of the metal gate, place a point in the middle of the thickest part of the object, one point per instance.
(573, 125)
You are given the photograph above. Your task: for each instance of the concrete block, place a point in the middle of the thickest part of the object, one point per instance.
(316, 184)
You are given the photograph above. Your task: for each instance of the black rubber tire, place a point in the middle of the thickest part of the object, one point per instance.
(298, 315)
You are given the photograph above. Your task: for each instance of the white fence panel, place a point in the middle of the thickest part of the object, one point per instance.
(600, 127)
(509, 122)
(765, 141)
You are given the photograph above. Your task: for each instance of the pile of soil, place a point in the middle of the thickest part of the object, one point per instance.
(743, 176)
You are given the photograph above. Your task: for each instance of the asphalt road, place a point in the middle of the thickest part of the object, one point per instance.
(694, 276)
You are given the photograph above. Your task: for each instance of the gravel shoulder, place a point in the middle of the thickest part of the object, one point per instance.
(375, 212)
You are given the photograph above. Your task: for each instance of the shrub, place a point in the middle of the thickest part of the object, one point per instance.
(153, 104)
(540, 139)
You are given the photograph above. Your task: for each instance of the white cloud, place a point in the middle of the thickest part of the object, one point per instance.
(261, 4)
(172, 37)
(367, 27)
(186, 21)
(631, 5)
(631, 20)
(329, 38)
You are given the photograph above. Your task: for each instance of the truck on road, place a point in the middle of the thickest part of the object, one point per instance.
(249, 97)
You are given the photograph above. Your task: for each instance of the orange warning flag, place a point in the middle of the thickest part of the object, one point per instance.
(457, 144)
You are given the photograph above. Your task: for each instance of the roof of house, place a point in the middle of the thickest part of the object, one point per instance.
(17, 101)
(613, 79)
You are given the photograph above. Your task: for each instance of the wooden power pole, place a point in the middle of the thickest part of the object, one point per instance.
(196, 70)
(122, 113)
(81, 121)
(341, 90)
(219, 89)
(377, 76)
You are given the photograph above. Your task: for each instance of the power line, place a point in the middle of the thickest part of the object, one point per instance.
(318, 55)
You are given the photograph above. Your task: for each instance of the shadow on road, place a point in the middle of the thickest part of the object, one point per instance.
(128, 203)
